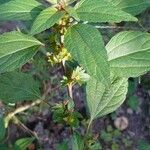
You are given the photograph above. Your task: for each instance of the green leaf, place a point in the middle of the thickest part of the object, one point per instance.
(20, 10)
(72, 12)
(22, 144)
(16, 49)
(132, 86)
(46, 19)
(107, 137)
(133, 7)
(4, 146)
(77, 142)
(133, 103)
(16, 60)
(102, 101)
(129, 53)
(101, 11)
(4, 1)
(2, 129)
(143, 145)
(85, 44)
(62, 146)
(15, 86)
(95, 146)
(145, 81)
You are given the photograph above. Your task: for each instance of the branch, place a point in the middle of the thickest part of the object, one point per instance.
(25, 107)
(122, 27)
(20, 109)
(69, 87)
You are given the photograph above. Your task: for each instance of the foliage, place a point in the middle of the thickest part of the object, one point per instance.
(75, 44)
(143, 145)
(22, 144)
(133, 103)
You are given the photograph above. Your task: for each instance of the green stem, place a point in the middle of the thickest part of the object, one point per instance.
(87, 133)
(88, 127)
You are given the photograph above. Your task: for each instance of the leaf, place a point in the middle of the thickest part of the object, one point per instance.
(4, 1)
(101, 11)
(16, 60)
(105, 136)
(129, 53)
(95, 145)
(15, 86)
(133, 103)
(16, 49)
(133, 7)
(86, 46)
(20, 10)
(62, 146)
(143, 144)
(132, 86)
(77, 142)
(102, 101)
(46, 19)
(72, 12)
(22, 144)
(2, 129)
(4, 146)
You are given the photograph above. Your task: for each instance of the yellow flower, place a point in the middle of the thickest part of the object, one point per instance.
(59, 56)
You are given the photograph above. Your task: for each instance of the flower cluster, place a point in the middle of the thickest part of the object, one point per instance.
(58, 56)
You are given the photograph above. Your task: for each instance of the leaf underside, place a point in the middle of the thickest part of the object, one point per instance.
(129, 53)
(102, 101)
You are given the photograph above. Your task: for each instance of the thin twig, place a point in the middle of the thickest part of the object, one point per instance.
(25, 107)
(121, 27)
(20, 109)
(88, 127)
(32, 133)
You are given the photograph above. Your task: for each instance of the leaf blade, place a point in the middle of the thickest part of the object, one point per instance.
(22, 144)
(16, 60)
(15, 86)
(16, 49)
(131, 6)
(101, 11)
(102, 101)
(2, 129)
(19, 10)
(77, 142)
(128, 53)
(88, 49)
(46, 19)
